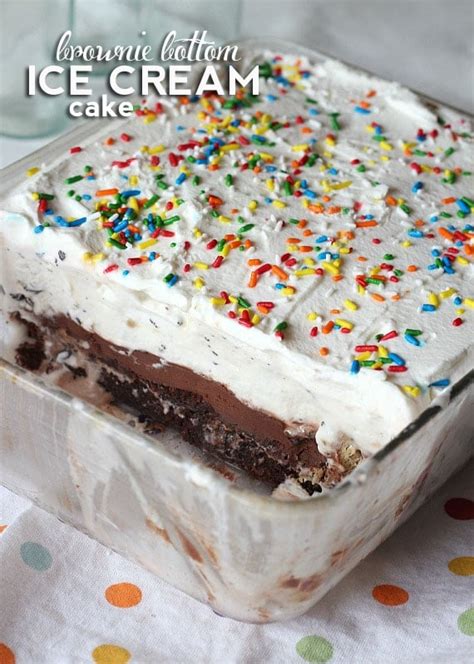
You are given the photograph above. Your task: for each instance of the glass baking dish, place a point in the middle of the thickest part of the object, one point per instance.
(227, 543)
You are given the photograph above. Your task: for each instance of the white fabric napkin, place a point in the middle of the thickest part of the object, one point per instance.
(64, 599)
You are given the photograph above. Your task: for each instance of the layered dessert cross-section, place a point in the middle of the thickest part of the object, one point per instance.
(286, 279)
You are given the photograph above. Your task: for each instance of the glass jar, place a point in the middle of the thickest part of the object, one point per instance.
(28, 35)
(140, 22)
(221, 18)
(108, 23)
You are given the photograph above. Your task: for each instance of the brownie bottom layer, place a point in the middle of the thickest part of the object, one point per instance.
(158, 404)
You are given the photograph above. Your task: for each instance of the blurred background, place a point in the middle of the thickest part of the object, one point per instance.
(425, 44)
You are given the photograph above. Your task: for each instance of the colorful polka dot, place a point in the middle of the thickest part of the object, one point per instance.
(110, 654)
(462, 566)
(461, 509)
(2, 528)
(36, 556)
(6, 654)
(466, 622)
(123, 595)
(314, 649)
(390, 595)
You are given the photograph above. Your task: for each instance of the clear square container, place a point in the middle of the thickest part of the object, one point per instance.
(227, 543)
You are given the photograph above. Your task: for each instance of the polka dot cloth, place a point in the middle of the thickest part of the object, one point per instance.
(64, 598)
(36, 556)
(123, 595)
(390, 595)
(110, 654)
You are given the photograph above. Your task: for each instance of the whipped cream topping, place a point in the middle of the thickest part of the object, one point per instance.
(311, 248)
